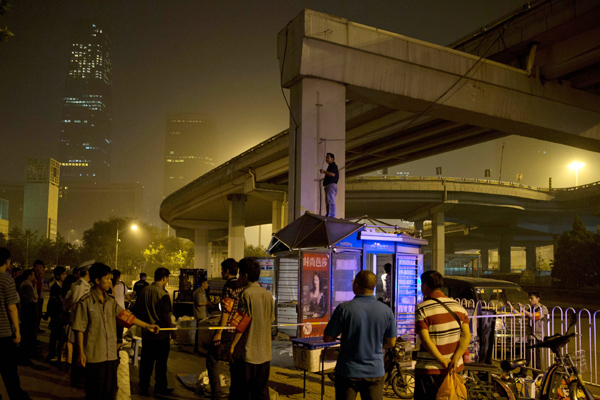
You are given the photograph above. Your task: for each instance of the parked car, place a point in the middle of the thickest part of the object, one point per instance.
(494, 294)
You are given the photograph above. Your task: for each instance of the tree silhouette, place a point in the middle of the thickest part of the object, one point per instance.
(576, 259)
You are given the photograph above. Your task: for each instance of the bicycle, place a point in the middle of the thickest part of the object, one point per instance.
(562, 381)
(397, 375)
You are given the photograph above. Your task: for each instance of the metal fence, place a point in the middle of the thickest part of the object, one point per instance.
(514, 329)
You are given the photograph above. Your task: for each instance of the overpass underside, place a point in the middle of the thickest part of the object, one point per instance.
(377, 99)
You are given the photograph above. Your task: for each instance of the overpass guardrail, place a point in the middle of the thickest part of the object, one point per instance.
(471, 180)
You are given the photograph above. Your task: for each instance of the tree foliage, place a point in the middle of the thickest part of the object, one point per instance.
(169, 252)
(5, 33)
(577, 258)
(255, 251)
(27, 246)
(143, 249)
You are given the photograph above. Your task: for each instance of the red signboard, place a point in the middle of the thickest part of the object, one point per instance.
(315, 292)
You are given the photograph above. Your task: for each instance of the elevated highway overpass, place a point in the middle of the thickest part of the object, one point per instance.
(377, 99)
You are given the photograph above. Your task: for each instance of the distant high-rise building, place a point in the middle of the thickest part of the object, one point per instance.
(86, 118)
(40, 211)
(189, 147)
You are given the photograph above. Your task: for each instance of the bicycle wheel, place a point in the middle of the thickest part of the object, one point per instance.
(501, 390)
(579, 392)
(403, 384)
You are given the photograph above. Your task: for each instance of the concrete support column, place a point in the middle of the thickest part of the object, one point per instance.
(277, 215)
(438, 247)
(485, 258)
(211, 266)
(419, 226)
(530, 257)
(504, 256)
(318, 127)
(201, 249)
(217, 259)
(237, 223)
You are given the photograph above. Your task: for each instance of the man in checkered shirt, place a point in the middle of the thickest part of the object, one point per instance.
(222, 339)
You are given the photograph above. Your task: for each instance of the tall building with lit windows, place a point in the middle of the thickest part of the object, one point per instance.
(189, 149)
(86, 117)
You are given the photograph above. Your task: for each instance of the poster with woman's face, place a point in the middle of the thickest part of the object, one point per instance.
(315, 292)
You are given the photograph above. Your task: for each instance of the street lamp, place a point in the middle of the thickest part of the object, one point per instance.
(132, 227)
(576, 166)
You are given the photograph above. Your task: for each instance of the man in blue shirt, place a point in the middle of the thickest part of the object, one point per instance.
(367, 327)
(332, 175)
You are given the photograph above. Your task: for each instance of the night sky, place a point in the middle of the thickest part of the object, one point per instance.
(212, 57)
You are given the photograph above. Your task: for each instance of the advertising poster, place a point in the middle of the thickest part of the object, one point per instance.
(267, 269)
(315, 292)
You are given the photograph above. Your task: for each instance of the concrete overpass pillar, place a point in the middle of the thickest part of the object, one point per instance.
(217, 259)
(237, 223)
(485, 258)
(317, 127)
(438, 242)
(419, 226)
(530, 257)
(504, 256)
(201, 249)
(277, 215)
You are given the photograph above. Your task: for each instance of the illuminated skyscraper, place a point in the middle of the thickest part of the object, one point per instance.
(86, 118)
(189, 147)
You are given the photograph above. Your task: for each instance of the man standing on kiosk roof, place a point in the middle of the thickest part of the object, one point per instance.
(332, 175)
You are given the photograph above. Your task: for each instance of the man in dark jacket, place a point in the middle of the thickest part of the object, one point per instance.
(154, 306)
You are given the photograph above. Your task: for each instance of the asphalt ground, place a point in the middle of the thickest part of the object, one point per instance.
(51, 381)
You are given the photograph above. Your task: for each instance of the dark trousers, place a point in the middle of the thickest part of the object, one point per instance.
(426, 386)
(29, 329)
(216, 353)
(249, 381)
(101, 380)
(40, 311)
(77, 372)
(9, 369)
(347, 388)
(56, 336)
(154, 352)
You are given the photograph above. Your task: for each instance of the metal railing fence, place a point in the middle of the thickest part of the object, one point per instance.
(513, 329)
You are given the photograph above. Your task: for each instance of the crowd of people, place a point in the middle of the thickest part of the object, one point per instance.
(87, 312)
(83, 323)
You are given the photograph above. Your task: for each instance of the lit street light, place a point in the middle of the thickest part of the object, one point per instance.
(576, 166)
(132, 227)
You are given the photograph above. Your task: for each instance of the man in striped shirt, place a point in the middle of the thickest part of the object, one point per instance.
(443, 339)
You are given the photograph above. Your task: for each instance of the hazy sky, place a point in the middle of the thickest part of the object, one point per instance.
(215, 57)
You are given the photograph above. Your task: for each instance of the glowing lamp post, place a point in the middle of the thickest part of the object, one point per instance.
(576, 166)
(133, 228)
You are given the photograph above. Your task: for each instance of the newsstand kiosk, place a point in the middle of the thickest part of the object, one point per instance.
(316, 259)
